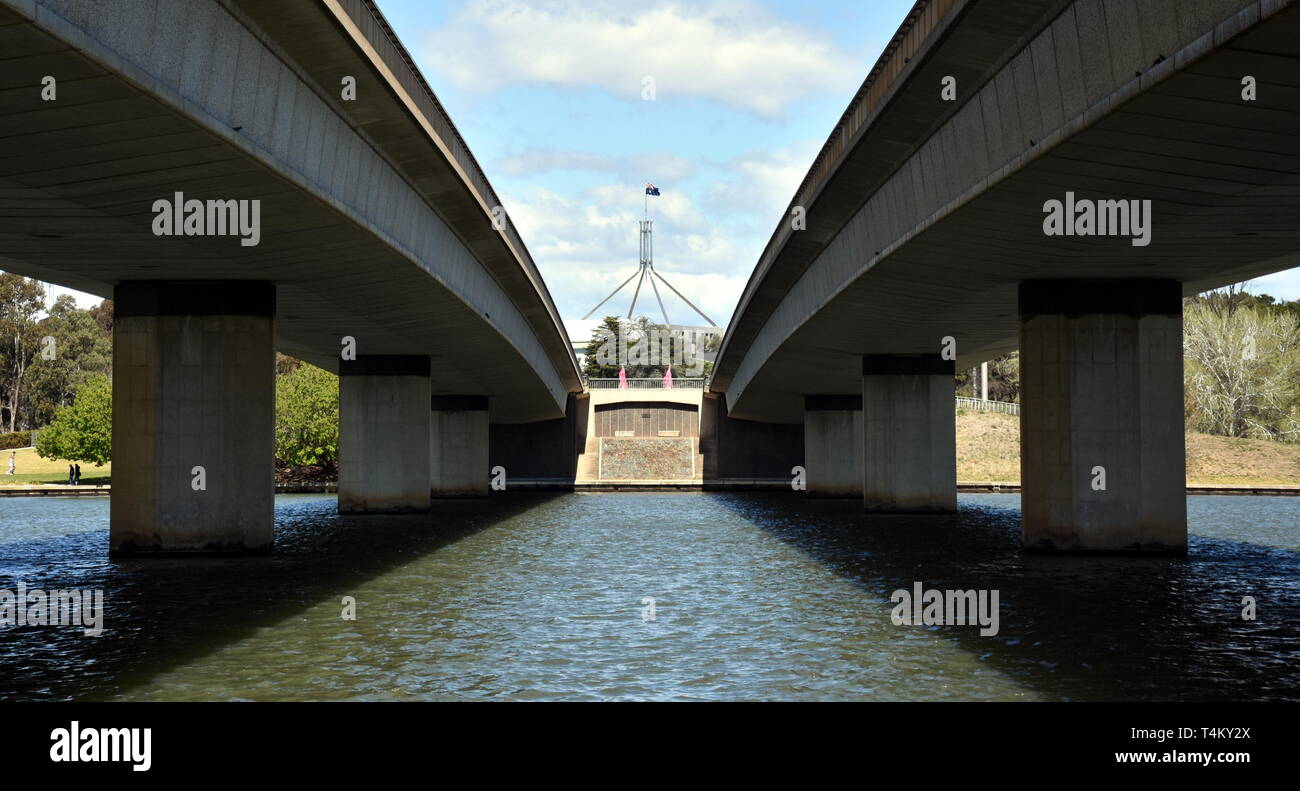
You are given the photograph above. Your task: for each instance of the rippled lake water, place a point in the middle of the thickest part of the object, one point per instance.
(756, 596)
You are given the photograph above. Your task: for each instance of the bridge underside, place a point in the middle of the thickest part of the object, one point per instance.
(79, 175)
(934, 231)
(1223, 176)
(370, 252)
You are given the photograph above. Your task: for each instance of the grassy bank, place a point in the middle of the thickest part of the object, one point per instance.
(988, 449)
(32, 470)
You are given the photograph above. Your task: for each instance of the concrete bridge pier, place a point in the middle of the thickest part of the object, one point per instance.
(384, 434)
(832, 442)
(909, 433)
(1102, 445)
(458, 446)
(193, 417)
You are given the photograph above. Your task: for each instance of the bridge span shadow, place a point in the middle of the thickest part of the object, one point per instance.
(1071, 627)
(163, 613)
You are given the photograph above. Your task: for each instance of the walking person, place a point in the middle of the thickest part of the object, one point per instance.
(71, 475)
(78, 467)
(13, 460)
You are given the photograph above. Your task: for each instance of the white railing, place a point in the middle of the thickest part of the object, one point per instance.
(980, 405)
(652, 383)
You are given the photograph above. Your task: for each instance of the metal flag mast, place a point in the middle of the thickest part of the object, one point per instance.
(645, 269)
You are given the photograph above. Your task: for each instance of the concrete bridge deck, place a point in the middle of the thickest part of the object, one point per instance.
(924, 248)
(376, 221)
(924, 216)
(921, 233)
(369, 243)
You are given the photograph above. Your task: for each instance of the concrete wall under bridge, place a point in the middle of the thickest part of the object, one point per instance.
(542, 455)
(746, 452)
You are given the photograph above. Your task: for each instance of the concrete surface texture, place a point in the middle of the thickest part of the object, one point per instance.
(1102, 446)
(909, 434)
(384, 435)
(458, 447)
(376, 223)
(832, 441)
(924, 215)
(193, 419)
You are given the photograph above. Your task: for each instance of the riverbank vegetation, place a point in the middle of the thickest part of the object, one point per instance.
(306, 422)
(1241, 391)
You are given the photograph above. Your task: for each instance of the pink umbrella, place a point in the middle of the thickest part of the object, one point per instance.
(668, 378)
(622, 378)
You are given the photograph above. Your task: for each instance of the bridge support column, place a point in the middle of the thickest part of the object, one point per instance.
(909, 433)
(384, 434)
(458, 447)
(1102, 465)
(832, 443)
(193, 418)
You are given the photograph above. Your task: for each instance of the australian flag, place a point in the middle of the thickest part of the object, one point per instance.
(651, 189)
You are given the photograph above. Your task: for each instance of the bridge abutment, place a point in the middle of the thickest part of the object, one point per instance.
(746, 452)
(384, 434)
(458, 446)
(909, 445)
(832, 441)
(193, 417)
(1102, 442)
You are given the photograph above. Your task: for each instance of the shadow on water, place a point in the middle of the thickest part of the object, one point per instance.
(1073, 627)
(538, 596)
(164, 613)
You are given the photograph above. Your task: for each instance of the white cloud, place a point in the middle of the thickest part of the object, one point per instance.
(663, 165)
(587, 246)
(1284, 285)
(731, 51)
(764, 182)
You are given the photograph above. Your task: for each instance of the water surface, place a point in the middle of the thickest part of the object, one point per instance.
(757, 596)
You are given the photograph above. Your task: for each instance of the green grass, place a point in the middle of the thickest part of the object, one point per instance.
(32, 470)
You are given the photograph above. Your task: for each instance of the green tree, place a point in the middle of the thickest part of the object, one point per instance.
(597, 363)
(82, 431)
(21, 300)
(636, 338)
(103, 315)
(307, 416)
(77, 350)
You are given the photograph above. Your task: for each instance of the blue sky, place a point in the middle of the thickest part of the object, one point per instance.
(548, 95)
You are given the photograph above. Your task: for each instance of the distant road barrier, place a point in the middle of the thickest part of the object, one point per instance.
(980, 405)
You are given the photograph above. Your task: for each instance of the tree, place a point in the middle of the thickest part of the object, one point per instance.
(84, 430)
(645, 349)
(597, 363)
(307, 417)
(1224, 302)
(80, 350)
(1004, 377)
(103, 315)
(21, 300)
(284, 364)
(1241, 368)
